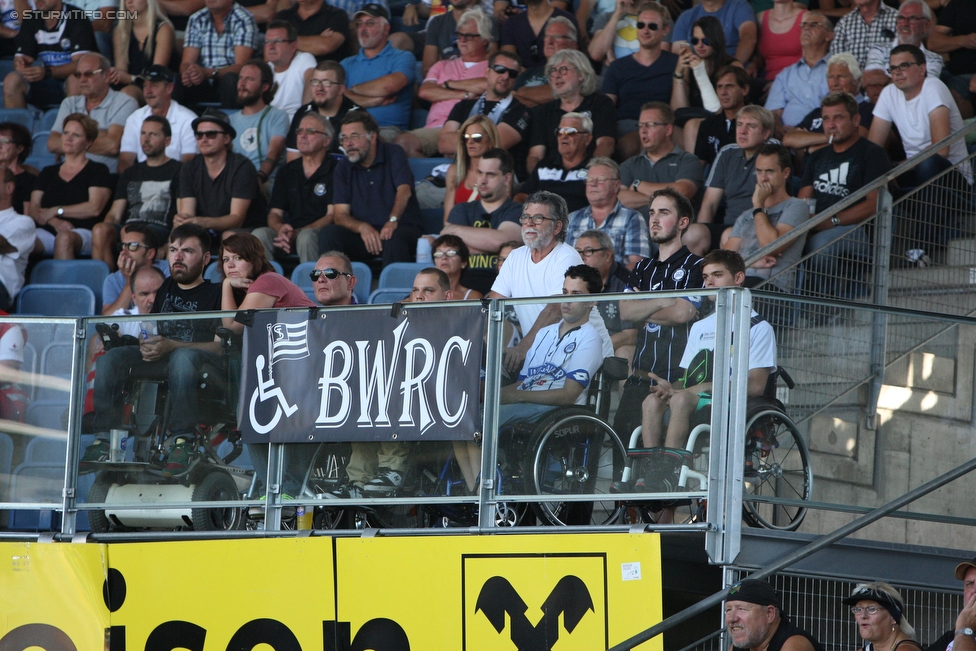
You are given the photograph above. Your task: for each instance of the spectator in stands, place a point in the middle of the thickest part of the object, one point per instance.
(683, 397)
(662, 164)
(139, 246)
(913, 26)
(179, 11)
(487, 223)
(879, 612)
(532, 86)
(145, 193)
(644, 76)
(843, 76)
(779, 36)
(872, 21)
(564, 170)
(70, 198)
(718, 130)
(184, 345)
(218, 189)
(442, 43)
(799, 88)
(476, 136)
(523, 32)
(955, 35)
(736, 17)
(961, 637)
(615, 33)
(15, 147)
(48, 48)
(756, 621)
(450, 81)
(451, 256)
(322, 29)
(142, 39)
(301, 201)
(774, 214)
(327, 87)
(220, 38)
(507, 113)
(376, 213)
(732, 178)
(333, 280)
(431, 284)
(830, 175)
(380, 77)
(290, 67)
(107, 107)
(604, 212)
(10, 26)
(16, 241)
(596, 249)
(158, 91)
(574, 84)
(662, 326)
(261, 127)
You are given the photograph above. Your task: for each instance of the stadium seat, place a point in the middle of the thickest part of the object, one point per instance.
(39, 140)
(53, 300)
(20, 116)
(46, 123)
(36, 482)
(48, 414)
(45, 450)
(364, 280)
(389, 295)
(40, 162)
(400, 274)
(91, 273)
(422, 167)
(6, 458)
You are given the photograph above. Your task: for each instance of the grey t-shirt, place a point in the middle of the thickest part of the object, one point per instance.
(793, 212)
(254, 134)
(678, 164)
(733, 173)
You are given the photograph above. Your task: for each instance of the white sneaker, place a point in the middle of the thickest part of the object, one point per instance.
(386, 481)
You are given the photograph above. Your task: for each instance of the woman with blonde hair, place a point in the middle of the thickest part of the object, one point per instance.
(879, 612)
(477, 135)
(143, 37)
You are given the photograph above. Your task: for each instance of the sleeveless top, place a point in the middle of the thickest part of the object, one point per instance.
(462, 194)
(785, 631)
(780, 50)
(138, 60)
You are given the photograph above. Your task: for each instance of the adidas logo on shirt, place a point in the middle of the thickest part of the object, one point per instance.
(833, 182)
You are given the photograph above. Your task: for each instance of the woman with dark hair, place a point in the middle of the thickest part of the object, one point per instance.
(879, 612)
(15, 147)
(451, 256)
(693, 95)
(71, 197)
(250, 282)
(779, 36)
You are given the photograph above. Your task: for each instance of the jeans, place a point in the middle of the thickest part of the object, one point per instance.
(931, 216)
(836, 271)
(401, 247)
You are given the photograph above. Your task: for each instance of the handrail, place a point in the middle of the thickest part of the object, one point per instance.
(851, 199)
(808, 550)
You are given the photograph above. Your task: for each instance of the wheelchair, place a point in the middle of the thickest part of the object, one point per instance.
(139, 480)
(777, 463)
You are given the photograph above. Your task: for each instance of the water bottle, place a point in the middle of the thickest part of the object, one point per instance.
(147, 330)
(303, 515)
(423, 251)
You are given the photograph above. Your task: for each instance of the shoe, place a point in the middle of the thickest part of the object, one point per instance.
(918, 258)
(385, 482)
(344, 492)
(96, 453)
(178, 460)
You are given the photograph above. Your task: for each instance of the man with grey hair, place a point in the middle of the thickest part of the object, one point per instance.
(564, 171)
(596, 249)
(798, 88)
(301, 200)
(574, 84)
(912, 26)
(109, 108)
(626, 229)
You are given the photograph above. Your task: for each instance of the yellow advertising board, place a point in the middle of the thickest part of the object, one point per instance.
(445, 593)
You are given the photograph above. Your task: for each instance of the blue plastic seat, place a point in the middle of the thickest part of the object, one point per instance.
(46, 123)
(36, 482)
(389, 295)
(39, 140)
(364, 280)
(40, 162)
(422, 167)
(400, 274)
(19, 116)
(53, 300)
(91, 273)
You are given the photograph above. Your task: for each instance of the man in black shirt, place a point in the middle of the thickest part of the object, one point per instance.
(756, 621)
(961, 637)
(181, 346)
(718, 130)
(328, 86)
(323, 30)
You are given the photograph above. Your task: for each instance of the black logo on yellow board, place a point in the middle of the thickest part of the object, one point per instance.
(569, 598)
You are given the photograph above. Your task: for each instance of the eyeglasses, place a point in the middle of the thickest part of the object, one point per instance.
(651, 125)
(6, 141)
(912, 19)
(87, 74)
(500, 69)
(328, 83)
(901, 67)
(535, 220)
(278, 41)
(703, 41)
(651, 26)
(870, 610)
(477, 137)
(329, 273)
(308, 132)
(135, 246)
(209, 135)
(351, 136)
(586, 253)
(561, 70)
(465, 36)
(600, 180)
(450, 253)
(568, 131)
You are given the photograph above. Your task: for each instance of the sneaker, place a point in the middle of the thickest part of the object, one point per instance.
(385, 482)
(96, 453)
(344, 492)
(178, 460)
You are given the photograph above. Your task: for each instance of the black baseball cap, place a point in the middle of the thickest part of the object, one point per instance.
(373, 9)
(157, 73)
(754, 591)
(217, 117)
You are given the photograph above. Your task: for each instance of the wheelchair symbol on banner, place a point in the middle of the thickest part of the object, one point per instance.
(286, 341)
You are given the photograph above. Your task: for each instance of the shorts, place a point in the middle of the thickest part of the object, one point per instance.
(47, 239)
(46, 92)
(428, 140)
(957, 83)
(626, 126)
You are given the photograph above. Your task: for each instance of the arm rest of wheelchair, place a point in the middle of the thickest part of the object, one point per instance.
(615, 368)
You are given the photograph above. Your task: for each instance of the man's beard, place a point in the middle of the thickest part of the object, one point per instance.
(248, 100)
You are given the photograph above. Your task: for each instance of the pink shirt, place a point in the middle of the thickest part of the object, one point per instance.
(451, 70)
(285, 292)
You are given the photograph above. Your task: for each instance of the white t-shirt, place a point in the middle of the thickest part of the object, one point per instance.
(180, 121)
(19, 233)
(553, 359)
(291, 83)
(762, 342)
(12, 345)
(912, 119)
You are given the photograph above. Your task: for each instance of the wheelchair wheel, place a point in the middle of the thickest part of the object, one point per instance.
(216, 486)
(98, 492)
(777, 465)
(574, 453)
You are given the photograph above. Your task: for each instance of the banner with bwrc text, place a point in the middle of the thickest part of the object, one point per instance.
(449, 593)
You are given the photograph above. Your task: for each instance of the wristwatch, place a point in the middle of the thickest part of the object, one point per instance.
(755, 210)
(60, 211)
(965, 631)
(393, 219)
(835, 220)
(677, 76)
(636, 184)
(214, 72)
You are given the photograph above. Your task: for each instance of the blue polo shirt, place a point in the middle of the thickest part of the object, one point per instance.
(371, 191)
(798, 90)
(360, 68)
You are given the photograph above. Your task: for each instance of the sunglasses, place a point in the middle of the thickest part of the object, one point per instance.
(134, 246)
(209, 135)
(464, 36)
(704, 41)
(500, 69)
(329, 273)
(651, 26)
(87, 74)
(477, 137)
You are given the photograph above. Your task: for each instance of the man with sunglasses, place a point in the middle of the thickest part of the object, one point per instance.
(139, 247)
(799, 88)
(327, 86)
(109, 108)
(564, 171)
